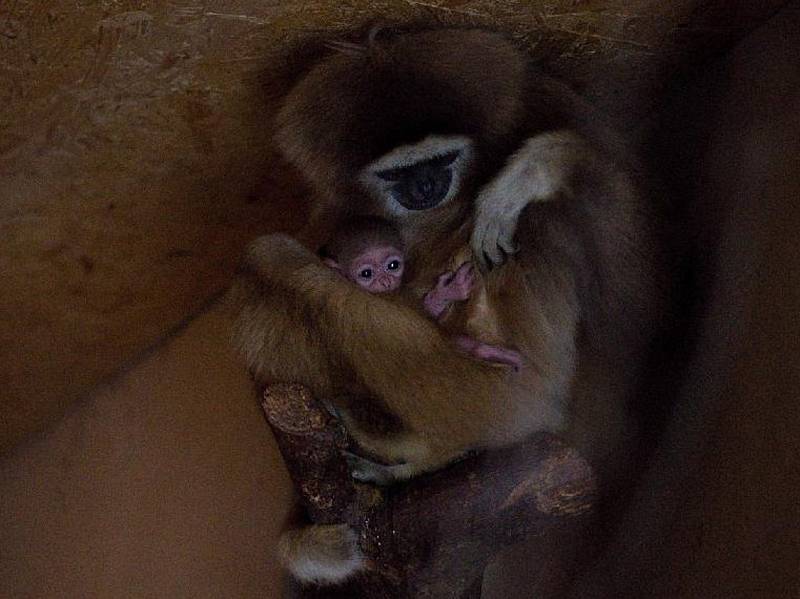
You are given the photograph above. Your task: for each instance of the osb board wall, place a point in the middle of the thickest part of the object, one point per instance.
(135, 162)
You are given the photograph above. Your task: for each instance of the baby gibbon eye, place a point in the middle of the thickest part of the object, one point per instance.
(393, 264)
(365, 273)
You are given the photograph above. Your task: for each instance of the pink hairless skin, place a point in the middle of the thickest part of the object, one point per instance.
(378, 269)
(456, 286)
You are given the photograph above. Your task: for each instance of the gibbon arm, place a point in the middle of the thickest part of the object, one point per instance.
(540, 170)
(301, 322)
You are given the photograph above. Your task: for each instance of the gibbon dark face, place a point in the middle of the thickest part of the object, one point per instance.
(422, 185)
(419, 176)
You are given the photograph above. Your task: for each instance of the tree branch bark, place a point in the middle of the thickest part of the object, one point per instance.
(433, 536)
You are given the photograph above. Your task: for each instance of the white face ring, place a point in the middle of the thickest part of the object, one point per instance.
(431, 147)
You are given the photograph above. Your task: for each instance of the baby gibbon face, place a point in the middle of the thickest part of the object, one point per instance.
(377, 269)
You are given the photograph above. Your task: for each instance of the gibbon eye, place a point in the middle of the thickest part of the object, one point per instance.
(422, 185)
(393, 264)
(365, 273)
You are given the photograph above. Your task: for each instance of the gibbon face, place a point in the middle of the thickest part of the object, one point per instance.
(419, 177)
(401, 129)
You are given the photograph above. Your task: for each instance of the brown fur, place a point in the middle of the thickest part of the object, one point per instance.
(580, 300)
(322, 327)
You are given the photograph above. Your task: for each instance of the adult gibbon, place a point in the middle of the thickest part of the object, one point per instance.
(456, 139)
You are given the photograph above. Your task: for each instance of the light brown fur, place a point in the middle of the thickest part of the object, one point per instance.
(580, 299)
(322, 329)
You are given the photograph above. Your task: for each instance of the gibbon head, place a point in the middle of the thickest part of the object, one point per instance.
(403, 126)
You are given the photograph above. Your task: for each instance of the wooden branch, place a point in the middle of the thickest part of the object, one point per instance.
(433, 536)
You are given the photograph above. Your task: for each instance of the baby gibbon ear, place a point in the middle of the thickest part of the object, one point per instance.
(332, 263)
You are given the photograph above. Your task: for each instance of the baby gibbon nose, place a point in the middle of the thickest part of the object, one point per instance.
(386, 282)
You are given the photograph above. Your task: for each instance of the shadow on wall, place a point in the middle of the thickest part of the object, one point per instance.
(165, 483)
(717, 513)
